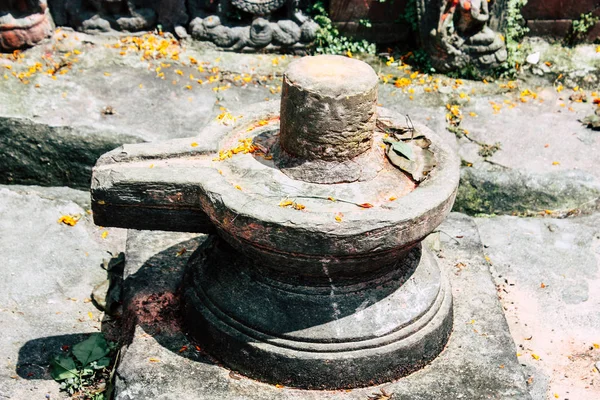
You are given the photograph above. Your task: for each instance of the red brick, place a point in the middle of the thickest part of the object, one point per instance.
(375, 11)
(558, 9)
(380, 32)
(558, 29)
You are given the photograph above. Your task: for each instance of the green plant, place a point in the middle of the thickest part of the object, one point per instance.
(84, 370)
(580, 28)
(469, 71)
(514, 31)
(329, 40)
(365, 22)
(410, 15)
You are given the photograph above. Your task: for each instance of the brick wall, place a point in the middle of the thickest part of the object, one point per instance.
(544, 17)
(554, 17)
(383, 16)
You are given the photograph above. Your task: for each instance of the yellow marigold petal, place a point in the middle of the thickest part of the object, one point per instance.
(285, 203)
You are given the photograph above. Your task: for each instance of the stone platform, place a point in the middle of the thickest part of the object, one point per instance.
(161, 362)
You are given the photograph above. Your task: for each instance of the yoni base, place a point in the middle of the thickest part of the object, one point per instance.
(333, 336)
(161, 362)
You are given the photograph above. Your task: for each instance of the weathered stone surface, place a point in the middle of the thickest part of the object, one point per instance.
(508, 191)
(548, 273)
(336, 336)
(73, 122)
(328, 108)
(48, 271)
(37, 153)
(327, 292)
(52, 135)
(259, 7)
(278, 232)
(480, 349)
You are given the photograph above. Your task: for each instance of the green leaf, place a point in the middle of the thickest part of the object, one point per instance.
(101, 363)
(403, 149)
(63, 367)
(419, 168)
(91, 349)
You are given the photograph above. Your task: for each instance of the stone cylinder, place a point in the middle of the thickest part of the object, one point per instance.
(328, 108)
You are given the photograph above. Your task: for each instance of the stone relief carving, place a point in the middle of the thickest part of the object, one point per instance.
(254, 27)
(456, 33)
(106, 15)
(23, 23)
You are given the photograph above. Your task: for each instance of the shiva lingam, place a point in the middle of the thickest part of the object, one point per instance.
(23, 23)
(313, 274)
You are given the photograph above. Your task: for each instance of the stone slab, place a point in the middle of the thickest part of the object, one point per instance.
(45, 119)
(160, 362)
(49, 139)
(548, 276)
(48, 270)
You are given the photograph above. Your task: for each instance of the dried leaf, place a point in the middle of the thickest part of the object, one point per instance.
(398, 131)
(419, 167)
(365, 205)
(403, 149)
(234, 375)
(384, 395)
(592, 121)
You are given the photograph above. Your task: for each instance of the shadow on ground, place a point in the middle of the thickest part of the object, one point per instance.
(153, 304)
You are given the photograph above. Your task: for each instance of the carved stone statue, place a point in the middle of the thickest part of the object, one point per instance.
(456, 33)
(23, 23)
(107, 15)
(246, 24)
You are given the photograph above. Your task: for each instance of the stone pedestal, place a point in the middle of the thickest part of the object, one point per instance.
(478, 363)
(307, 284)
(317, 336)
